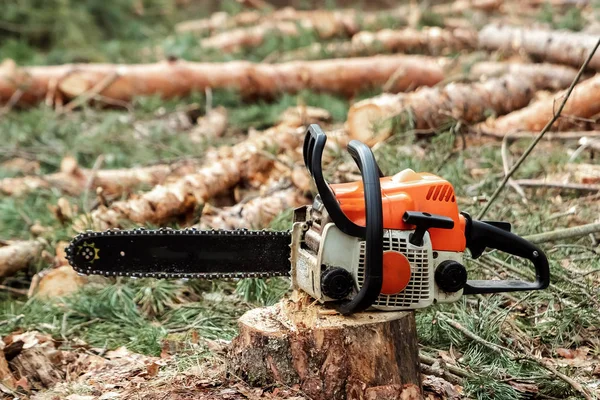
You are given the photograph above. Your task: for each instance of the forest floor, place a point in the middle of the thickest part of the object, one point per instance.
(118, 338)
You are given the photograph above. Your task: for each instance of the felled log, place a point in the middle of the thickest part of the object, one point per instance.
(550, 136)
(327, 23)
(217, 21)
(371, 355)
(59, 280)
(243, 38)
(74, 180)
(432, 41)
(256, 213)
(18, 255)
(546, 76)
(21, 165)
(584, 102)
(564, 47)
(372, 120)
(459, 6)
(179, 78)
(178, 200)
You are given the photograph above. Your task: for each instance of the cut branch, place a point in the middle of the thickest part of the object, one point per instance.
(178, 200)
(179, 78)
(562, 47)
(372, 120)
(74, 180)
(15, 256)
(584, 102)
(563, 234)
(557, 185)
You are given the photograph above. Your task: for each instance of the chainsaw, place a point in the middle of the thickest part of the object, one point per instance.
(383, 243)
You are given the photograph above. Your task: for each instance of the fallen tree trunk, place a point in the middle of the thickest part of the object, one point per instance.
(563, 47)
(179, 78)
(256, 213)
(243, 38)
(218, 21)
(584, 102)
(74, 180)
(546, 76)
(372, 120)
(550, 136)
(18, 255)
(178, 200)
(370, 355)
(433, 41)
(327, 23)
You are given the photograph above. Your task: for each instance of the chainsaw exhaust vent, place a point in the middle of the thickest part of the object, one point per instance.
(419, 292)
(441, 193)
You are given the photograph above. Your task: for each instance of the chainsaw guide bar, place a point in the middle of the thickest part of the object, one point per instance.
(186, 253)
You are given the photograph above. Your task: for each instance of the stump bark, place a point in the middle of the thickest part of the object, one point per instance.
(369, 355)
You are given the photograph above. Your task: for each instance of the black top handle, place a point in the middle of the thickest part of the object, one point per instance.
(480, 235)
(314, 143)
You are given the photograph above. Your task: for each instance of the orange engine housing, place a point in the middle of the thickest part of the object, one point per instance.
(409, 191)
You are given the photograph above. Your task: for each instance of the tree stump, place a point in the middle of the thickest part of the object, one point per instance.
(369, 355)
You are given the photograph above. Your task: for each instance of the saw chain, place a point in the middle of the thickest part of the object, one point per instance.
(176, 253)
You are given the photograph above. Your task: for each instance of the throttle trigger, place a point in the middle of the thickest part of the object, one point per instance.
(423, 221)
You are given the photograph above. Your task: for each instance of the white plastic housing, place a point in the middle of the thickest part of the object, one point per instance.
(340, 250)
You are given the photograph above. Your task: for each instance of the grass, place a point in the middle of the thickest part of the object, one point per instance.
(140, 313)
(571, 20)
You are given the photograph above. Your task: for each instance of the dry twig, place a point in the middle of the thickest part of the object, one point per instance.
(567, 233)
(540, 136)
(529, 357)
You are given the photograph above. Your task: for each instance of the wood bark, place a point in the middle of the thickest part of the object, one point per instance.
(432, 41)
(583, 103)
(256, 213)
(328, 23)
(15, 256)
(178, 200)
(372, 355)
(564, 47)
(40, 365)
(372, 120)
(74, 180)
(179, 78)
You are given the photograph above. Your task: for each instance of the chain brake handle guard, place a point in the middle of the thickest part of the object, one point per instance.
(372, 233)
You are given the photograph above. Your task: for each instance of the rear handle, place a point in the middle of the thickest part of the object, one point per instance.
(481, 235)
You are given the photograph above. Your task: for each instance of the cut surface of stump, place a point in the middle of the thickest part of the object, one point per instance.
(368, 355)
